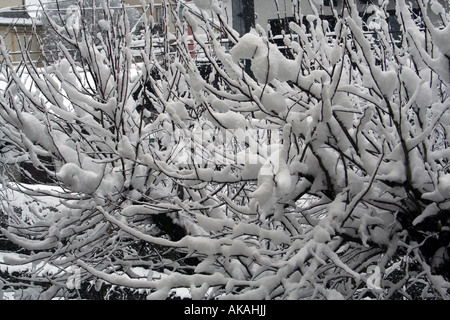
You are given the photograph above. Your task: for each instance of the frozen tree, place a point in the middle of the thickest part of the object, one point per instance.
(66, 17)
(323, 174)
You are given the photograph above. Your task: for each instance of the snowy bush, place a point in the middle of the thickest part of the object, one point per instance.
(64, 18)
(324, 174)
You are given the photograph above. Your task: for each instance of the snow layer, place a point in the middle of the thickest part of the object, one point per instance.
(267, 62)
(77, 179)
(125, 149)
(203, 4)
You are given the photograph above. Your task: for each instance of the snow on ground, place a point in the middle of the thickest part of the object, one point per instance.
(29, 207)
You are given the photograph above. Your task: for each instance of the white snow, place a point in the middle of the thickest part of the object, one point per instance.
(267, 62)
(274, 101)
(73, 21)
(125, 149)
(35, 130)
(229, 120)
(104, 25)
(77, 179)
(429, 211)
(440, 37)
(203, 4)
(374, 279)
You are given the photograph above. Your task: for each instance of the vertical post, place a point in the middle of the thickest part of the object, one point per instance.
(243, 15)
(248, 12)
(190, 39)
(243, 21)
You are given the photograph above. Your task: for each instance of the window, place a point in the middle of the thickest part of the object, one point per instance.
(159, 15)
(327, 3)
(279, 25)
